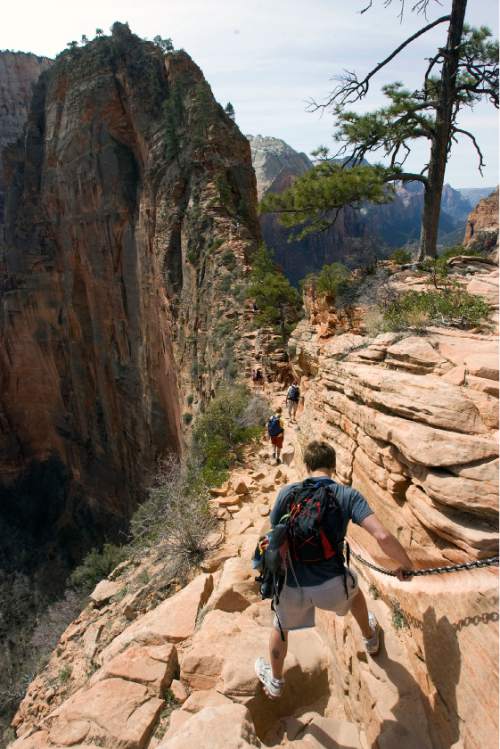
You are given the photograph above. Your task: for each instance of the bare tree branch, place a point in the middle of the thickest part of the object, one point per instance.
(476, 146)
(352, 90)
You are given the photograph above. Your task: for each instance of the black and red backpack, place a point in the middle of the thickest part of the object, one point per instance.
(315, 523)
(310, 531)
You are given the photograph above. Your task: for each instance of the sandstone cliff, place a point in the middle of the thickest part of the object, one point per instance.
(130, 219)
(482, 223)
(130, 195)
(414, 421)
(18, 72)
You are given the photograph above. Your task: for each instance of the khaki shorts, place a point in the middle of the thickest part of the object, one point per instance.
(297, 606)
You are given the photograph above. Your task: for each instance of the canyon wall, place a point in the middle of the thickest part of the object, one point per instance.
(414, 422)
(19, 71)
(129, 221)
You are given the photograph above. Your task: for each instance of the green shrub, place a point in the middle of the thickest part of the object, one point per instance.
(451, 306)
(190, 399)
(226, 283)
(64, 674)
(459, 249)
(399, 620)
(400, 256)
(97, 565)
(187, 418)
(332, 280)
(228, 260)
(231, 420)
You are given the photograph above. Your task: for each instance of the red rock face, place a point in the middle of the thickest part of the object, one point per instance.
(129, 187)
(483, 221)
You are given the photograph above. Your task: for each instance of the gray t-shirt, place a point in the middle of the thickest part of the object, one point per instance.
(353, 506)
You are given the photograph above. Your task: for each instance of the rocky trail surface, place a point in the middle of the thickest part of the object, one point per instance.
(195, 652)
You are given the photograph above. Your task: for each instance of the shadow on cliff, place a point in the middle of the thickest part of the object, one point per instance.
(443, 661)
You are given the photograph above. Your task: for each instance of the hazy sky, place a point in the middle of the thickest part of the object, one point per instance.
(268, 57)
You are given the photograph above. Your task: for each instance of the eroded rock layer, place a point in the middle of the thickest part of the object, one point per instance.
(129, 220)
(414, 421)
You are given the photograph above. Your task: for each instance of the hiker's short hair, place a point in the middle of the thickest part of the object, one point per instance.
(319, 455)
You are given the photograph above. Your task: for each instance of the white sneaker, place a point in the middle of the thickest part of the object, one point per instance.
(272, 687)
(372, 644)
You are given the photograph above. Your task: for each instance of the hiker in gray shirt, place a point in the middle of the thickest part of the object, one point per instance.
(316, 575)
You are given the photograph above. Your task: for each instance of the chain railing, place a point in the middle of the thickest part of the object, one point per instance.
(476, 564)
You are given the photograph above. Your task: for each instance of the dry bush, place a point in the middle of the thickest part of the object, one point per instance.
(175, 519)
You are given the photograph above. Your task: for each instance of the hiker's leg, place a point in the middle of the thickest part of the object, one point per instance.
(277, 652)
(359, 611)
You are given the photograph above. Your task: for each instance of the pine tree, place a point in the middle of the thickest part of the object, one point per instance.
(278, 303)
(229, 110)
(468, 72)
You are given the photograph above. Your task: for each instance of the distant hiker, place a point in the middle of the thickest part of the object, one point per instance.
(309, 522)
(259, 378)
(292, 400)
(276, 433)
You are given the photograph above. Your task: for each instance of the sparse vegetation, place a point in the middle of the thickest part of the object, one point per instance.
(170, 705)
(64, 674)
(332, 280)
(399, 620)
(96, 566)
(175, 519)
(187, 418)
(374, 592)
(231, 420)
(400, 256)
(450, 307)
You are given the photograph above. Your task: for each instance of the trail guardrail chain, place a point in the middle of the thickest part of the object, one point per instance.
(477, 563)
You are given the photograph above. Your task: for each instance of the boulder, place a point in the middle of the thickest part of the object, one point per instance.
(417, 442)
(423, 399)
(222, 727)
(179, 691)
(414, 354)
(216, 558)
(236, 588)
(117, 712)
(105, 590)
(173, 620)
(153, 666)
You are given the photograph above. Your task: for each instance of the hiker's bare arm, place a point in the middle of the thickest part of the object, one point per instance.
(388, 543)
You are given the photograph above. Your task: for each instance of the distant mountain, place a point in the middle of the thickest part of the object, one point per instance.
(475, 194)
(272, 158)
(358, 235)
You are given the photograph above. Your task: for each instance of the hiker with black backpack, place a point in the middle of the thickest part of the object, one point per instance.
(302, 560)
(292, 400)
(276, 433)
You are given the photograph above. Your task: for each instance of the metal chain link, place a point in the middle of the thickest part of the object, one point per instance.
(489, 562)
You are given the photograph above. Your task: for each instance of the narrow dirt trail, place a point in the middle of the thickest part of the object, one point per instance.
(316, 716)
